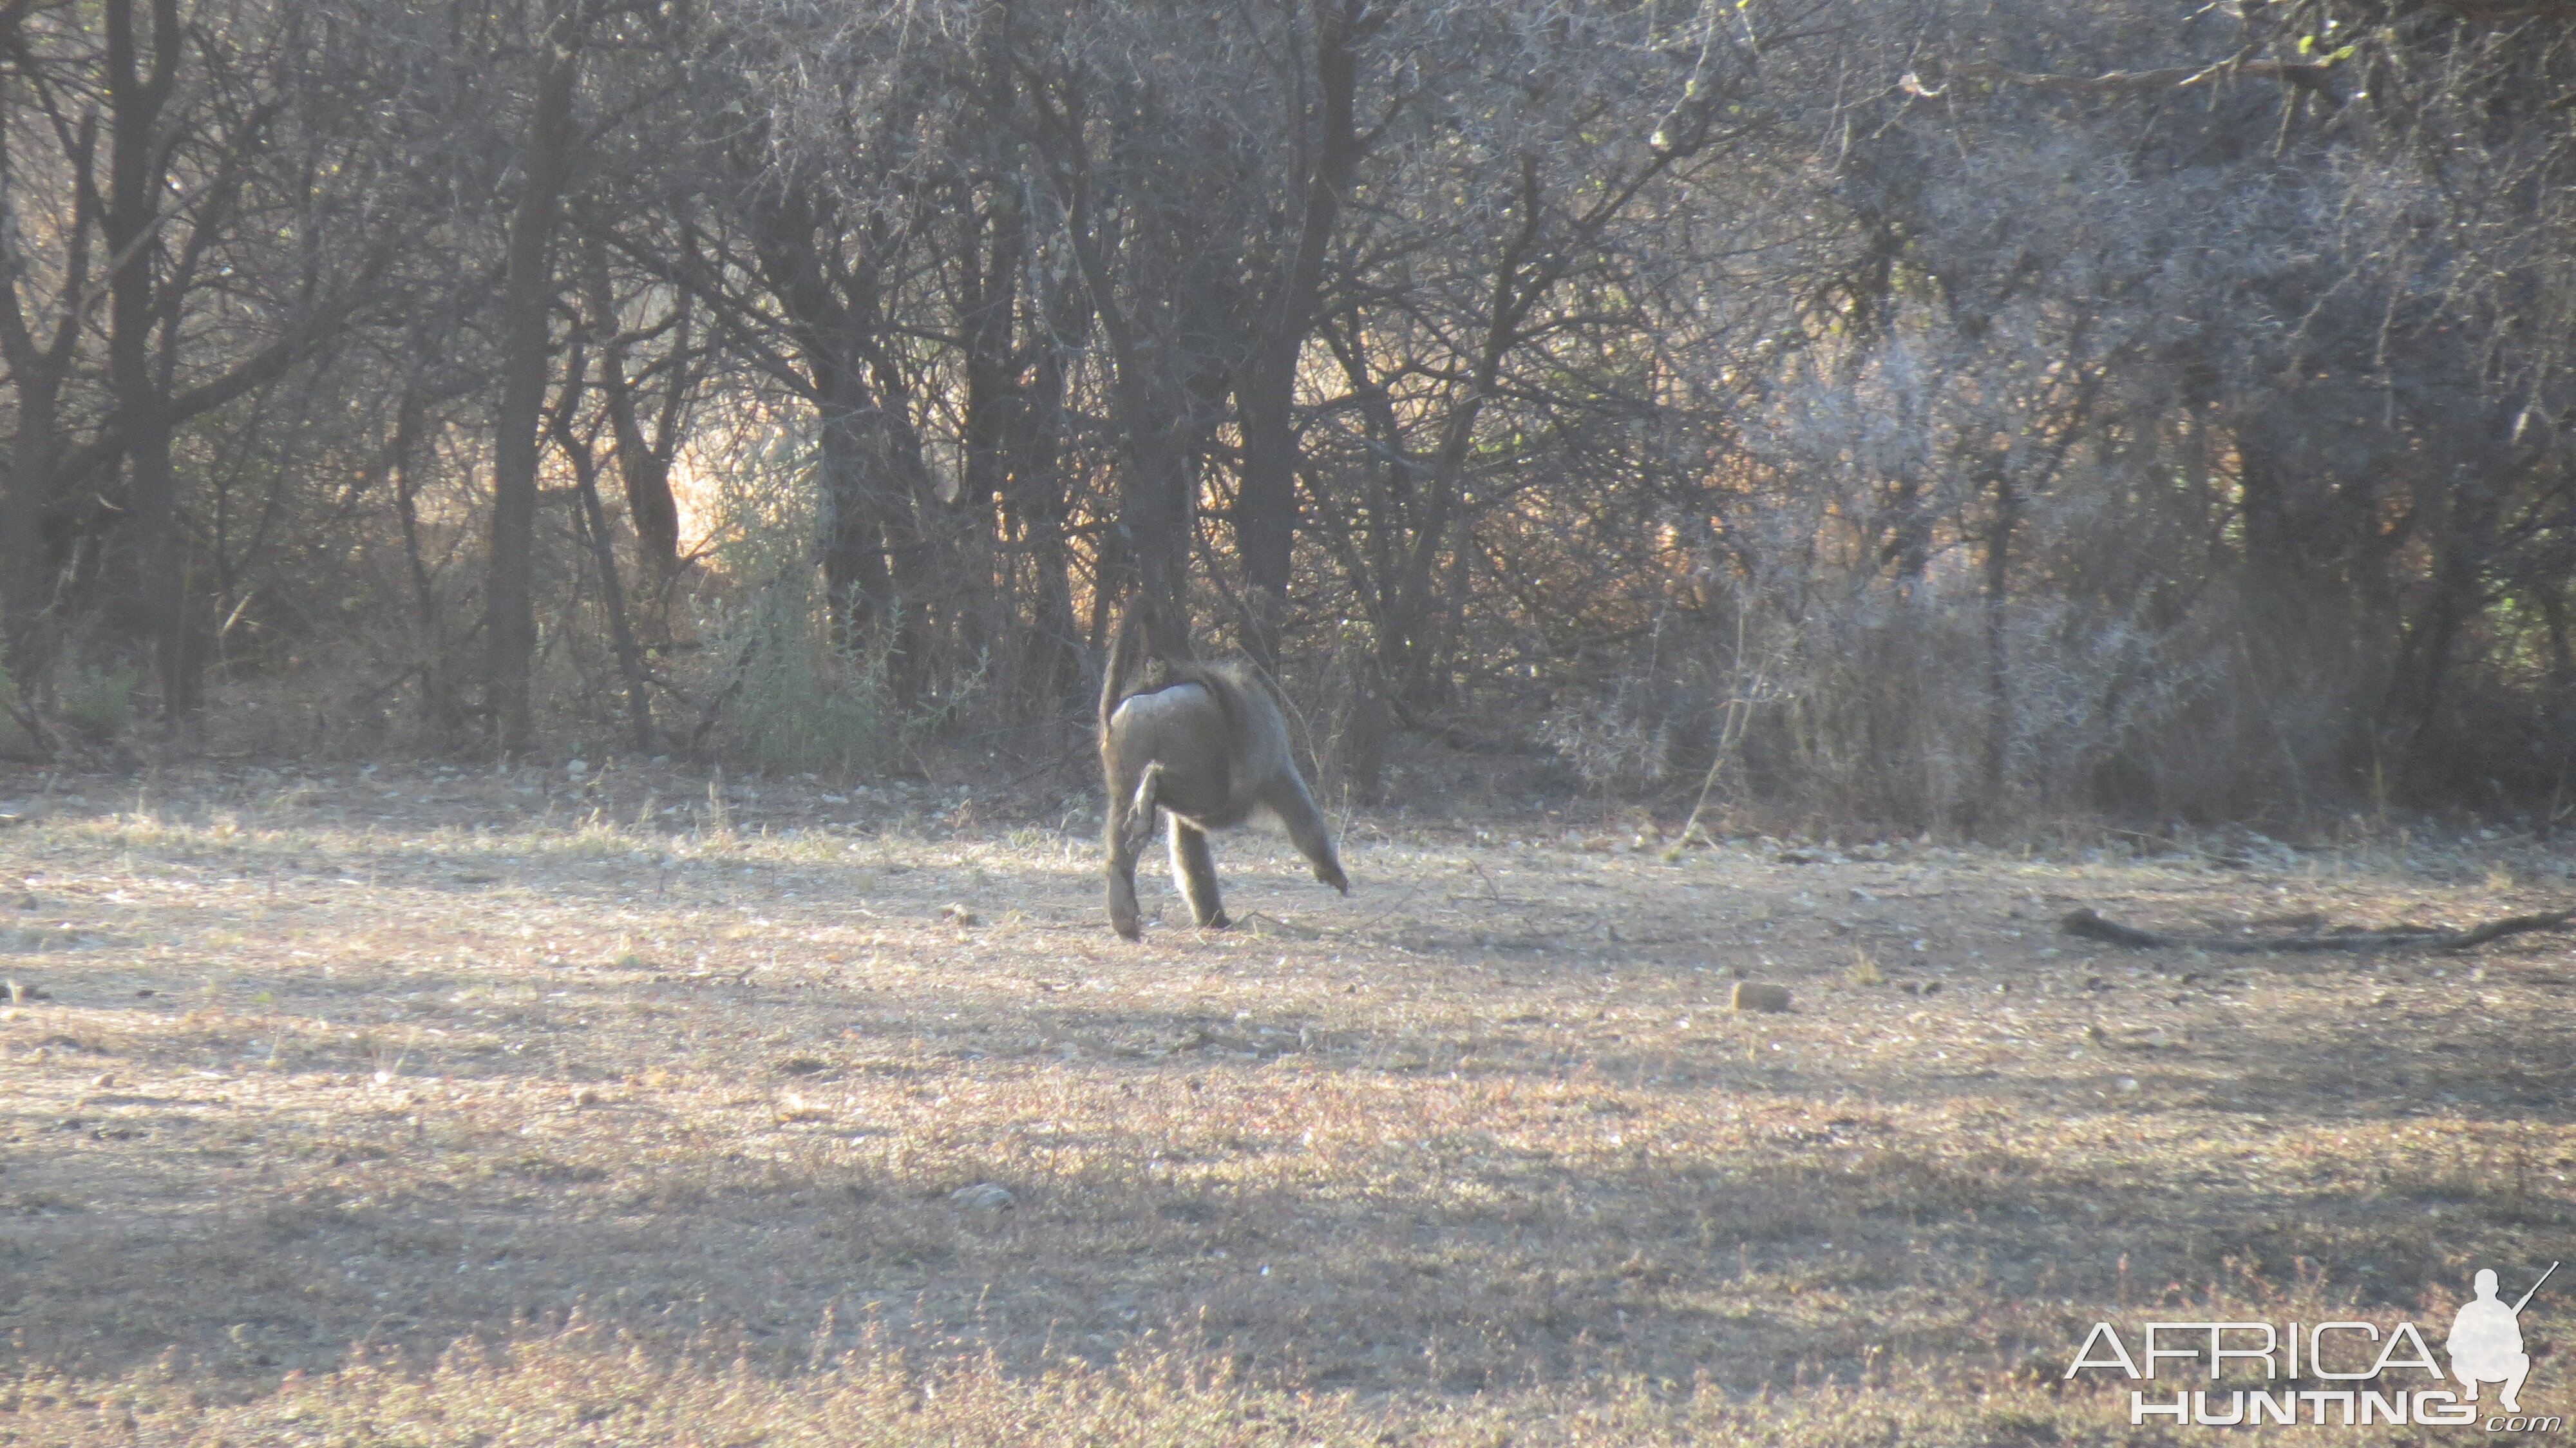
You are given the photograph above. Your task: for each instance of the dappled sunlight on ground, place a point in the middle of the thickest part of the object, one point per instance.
(326, 1098)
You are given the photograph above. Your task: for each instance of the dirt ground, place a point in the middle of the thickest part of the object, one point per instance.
(437, 1105)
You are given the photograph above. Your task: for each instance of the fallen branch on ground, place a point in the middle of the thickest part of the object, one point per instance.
(1257, 918)
(2093, 927)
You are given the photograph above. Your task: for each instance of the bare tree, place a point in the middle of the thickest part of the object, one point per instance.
(527, 299)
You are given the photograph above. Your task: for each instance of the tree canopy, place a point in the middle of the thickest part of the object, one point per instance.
(1942, 414)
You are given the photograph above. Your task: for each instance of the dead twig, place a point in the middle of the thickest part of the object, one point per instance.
(2306, 74)
(1263, 918)
(2092, 926)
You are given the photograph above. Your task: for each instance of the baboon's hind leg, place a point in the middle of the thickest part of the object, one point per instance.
(1123, 841)
(1194, 870)
(1122, 883)
(1296, 809)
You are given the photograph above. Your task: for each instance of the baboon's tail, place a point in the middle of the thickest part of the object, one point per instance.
(1140, 813)
(1124, 650)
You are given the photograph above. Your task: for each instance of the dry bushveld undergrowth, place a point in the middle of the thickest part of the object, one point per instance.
(445, 1107)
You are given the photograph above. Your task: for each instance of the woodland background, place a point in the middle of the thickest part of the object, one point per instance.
(1948, 414)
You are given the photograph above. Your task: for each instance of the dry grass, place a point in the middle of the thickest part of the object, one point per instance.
(471, 1109)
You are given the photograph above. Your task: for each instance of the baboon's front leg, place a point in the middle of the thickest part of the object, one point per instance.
(1194, 870)
(1288, 800)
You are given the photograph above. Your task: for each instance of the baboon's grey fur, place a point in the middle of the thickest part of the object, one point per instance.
(1206, 744)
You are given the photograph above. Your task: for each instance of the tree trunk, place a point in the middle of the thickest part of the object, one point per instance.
(1145, 558)
(1998, 604)
(26, 569)
(1155, 496)
(919, 541)
(146, 566)
(1154, 509)
(2456, 595)
(1265, 507)
(1035, 499)
(643, 463)
(510, 621)
(603, 548)
(27, 566)
(854, 542)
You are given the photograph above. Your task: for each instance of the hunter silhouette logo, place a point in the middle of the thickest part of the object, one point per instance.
(2486, 1341)
(2485, 1346)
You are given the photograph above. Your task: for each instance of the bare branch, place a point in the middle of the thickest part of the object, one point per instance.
(2176, 77)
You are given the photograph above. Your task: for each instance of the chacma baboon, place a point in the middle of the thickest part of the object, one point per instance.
(1206, 744)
